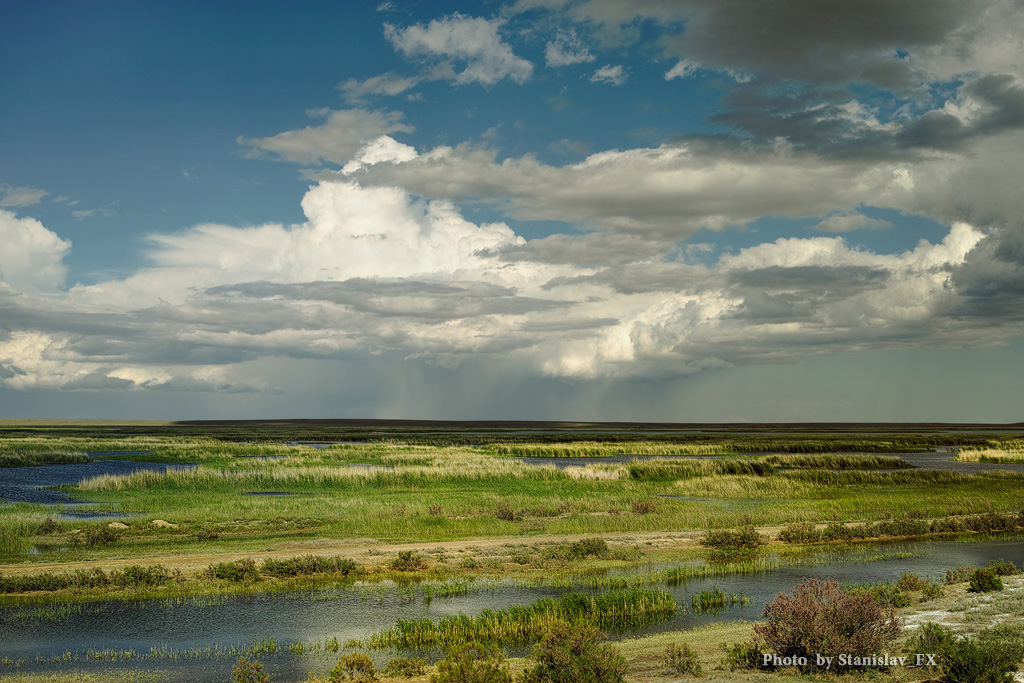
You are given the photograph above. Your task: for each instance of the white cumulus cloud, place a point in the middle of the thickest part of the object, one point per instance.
(474, 42)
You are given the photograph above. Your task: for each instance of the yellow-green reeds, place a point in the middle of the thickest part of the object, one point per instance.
(520, 624)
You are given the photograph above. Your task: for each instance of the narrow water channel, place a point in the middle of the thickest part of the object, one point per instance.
(356, 612)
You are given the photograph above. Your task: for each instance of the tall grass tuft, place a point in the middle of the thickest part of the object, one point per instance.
(521, 624)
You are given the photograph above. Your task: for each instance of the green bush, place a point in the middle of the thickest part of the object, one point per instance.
(408, 561)
(472, 663)
(745, 538)
(245, 671)
(574, 654)
(744, 656)
(307, 565)
(961, 575)
(405, 667)
(238, 571)
(992, 657)
(96, 535)
(47, 527)
(505, 511)
(353, 667)
(985, 581)
(804, 532)
(681, 661)
(931, 591)
(911, 582)
(1003, 568)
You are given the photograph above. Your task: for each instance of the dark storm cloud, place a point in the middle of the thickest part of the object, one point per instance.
(824, 121)
(991, 280)
(810, 40)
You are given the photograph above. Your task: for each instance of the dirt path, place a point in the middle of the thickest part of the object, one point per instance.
(369, 552)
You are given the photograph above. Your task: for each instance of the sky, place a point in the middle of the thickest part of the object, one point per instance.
(660, 210)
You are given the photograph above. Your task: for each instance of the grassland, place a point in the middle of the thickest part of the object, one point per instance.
(260, 505)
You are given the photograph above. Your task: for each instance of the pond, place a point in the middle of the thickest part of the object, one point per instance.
(355, 612)
(32, 484)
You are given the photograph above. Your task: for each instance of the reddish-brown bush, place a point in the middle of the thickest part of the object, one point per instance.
(821, 618)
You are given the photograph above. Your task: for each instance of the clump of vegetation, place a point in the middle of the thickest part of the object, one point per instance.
(681, 661)
(993, 656)
(239, 571)
(885, 594)
(96, 536)
(1003, 568)
(520, 624)
(746, 538)
(353, 667)
(822, 618)
(985, 581)
(504, 510)
(959, 575)
(48, 526)
(245, 671)
(573, 654)
(132, 576)
(744, 656)
(644, 507)
(578, 550)
(911, 582)
(408, 561)
(714, 600)
(307, 565)
(472, 662)
(405, 667)
(931, 591)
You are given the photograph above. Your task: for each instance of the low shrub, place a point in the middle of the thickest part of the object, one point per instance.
(137, 576)
(911, 582)
(822, 618)
(993, 656)
(985, 581)
(405, 667)
(307, 565)
(239, 571)
(245, 671)
(574, 654)
(744, 656)
(96, 535)
(885, 594)
(746, 538)
(961, 575)
(472, 663)
(644, 507)
(931, 591)
(804, 532)
(353, 667)
(408, 561)
(505, 511)
(48, 526)
(1003, 568)
(681, 661)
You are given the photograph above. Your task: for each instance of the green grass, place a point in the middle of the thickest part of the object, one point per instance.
(521, 624)
(419, 492)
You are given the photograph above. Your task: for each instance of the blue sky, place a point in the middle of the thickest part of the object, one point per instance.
(665, 210)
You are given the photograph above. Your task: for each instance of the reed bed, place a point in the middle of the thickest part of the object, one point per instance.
(521, 624)
(273, 476)
(1007, 455)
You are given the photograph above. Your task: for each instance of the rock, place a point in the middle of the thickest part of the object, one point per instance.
(163, 524)
(117, 525)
